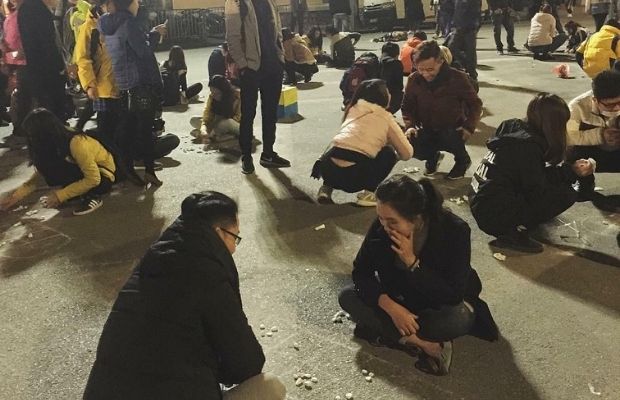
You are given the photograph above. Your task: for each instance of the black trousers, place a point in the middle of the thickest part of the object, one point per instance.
(463, 47)
(51, 96)
(105, 185)
(135, 135)
(269, 85)
(436, 325)
(500, 214)
(503, 18)
(193, 90)
(428, 142)
(292, 68)
(85, 115)
(108, 121)
(297, 19)
(365, 175)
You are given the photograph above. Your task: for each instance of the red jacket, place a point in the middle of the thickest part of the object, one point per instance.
(448, 102)
(406, 52)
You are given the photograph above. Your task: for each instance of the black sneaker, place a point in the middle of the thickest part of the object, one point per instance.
(88, 205)
(500, 52)
(458, 171)
(606, 203)
(519, 241)
(247, 165)
(513, 50)
(432, 165)
(585, 189)
(274, 161)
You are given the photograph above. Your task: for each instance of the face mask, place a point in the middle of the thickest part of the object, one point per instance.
(610, 114)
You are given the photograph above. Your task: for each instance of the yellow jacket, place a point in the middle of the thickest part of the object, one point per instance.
(209, 118)
(94, 73)
(296, 50)
(598, 55)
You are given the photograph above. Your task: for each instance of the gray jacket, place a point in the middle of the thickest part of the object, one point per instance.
(242, 34)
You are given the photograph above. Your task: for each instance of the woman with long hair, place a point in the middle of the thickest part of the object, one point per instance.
(174, 71)
(524, 180)
(76, 162)
(413, 285)
(366, 149)
(222, 112)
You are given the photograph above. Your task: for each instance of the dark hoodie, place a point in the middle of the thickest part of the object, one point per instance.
(514, 175)
(131, 50)
(177, 328)
(392, 73)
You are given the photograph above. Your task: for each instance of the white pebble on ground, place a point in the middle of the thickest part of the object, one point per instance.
(371, 374)
(364, 372)
(274, 329)
(314, 379)
(299, 382)
(262, 326)
(269, 334)
(348, 396)
(308, 384)
(369, 379)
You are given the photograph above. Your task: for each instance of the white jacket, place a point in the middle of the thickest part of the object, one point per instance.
(542, 30)
(369, 128)
(585, 126)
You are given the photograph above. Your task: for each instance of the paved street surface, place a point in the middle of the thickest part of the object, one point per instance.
(558, 311)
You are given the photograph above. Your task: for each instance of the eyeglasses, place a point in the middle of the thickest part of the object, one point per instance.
(612, 104)
(237, 237)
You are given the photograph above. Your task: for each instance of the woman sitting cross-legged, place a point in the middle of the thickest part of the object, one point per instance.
(413, 285)
(366, 149)
(77, 162)
(222, 112)
(174, 74)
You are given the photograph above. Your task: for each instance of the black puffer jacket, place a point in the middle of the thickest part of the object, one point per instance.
(514, 169)
(444, 277)
(177, 328)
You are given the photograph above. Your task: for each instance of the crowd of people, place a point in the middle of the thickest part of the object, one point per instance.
(178, 327)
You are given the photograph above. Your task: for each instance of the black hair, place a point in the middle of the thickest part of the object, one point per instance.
(613, 22)
(176, 58)
(211, 208)
(223, 107)
(391, 49)
(572, 26)
(287, 34)
(420, 35)
(606, 85)
(331, 30)
(411, 198)
(426, 50)
(547, 115)
(546, 8)
(373, 91)
(315, 42)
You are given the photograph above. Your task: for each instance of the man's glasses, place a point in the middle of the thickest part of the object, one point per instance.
(237, 237)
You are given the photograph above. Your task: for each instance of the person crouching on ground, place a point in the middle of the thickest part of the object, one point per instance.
(77, 162)
(177, 329)
(593, 131)
(342, 46)
(359, 157)
(543, 38)
(413, 285)
(297, 58)
(408, 48)
(577, 34)
(391, 71)
(222, 112)
(441, 110)
(523, 180)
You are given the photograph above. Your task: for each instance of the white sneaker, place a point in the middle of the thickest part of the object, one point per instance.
(195, 122)
(325, 195)
(88, 205)
(366, 199)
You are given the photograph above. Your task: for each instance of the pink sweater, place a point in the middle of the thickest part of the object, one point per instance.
(369, 128)
(13, 41)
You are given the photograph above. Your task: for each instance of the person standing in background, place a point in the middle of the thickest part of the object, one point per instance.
(501, 14)
(599, 9)
(341, 13)
(298, 10)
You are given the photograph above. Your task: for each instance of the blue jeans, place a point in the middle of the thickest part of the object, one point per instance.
(428, 142)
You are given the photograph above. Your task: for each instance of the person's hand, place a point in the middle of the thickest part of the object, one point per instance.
(465, 134)
(162, 29)
(50, 200)
(411, 133)
(8, 201)
(583, 167)
(403, 319)
(72, 71)
(403, 247)
(611, 136)
(92, 93)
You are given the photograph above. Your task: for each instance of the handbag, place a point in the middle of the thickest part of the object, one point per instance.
(143, 98)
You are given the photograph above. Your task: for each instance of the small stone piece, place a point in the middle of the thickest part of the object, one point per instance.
(337, 320)
(307, 376)
(369, 379)
(314, 379)
(499, 256)
(308, 384)
(348, 396)
(262, 326)
(364, 372)
(274, 329)
(30, 236)
(299, 382)
(371, 374)
(269, 334)
(295, 376)
(338, 398)
(318, 228)
(296, 346)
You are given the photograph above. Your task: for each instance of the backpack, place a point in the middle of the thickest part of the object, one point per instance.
(364, 67)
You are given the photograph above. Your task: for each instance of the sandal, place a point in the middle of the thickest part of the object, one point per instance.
(439, 366)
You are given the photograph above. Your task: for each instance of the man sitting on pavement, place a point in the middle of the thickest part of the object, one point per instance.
(177, 329)
(593, 131)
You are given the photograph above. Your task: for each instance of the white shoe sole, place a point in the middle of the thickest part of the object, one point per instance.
(89, 210)
(366, 203)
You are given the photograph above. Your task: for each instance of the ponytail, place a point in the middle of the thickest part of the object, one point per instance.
(411, 198)
(433, 208)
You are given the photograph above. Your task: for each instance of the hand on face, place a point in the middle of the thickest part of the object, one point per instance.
(403, 246)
